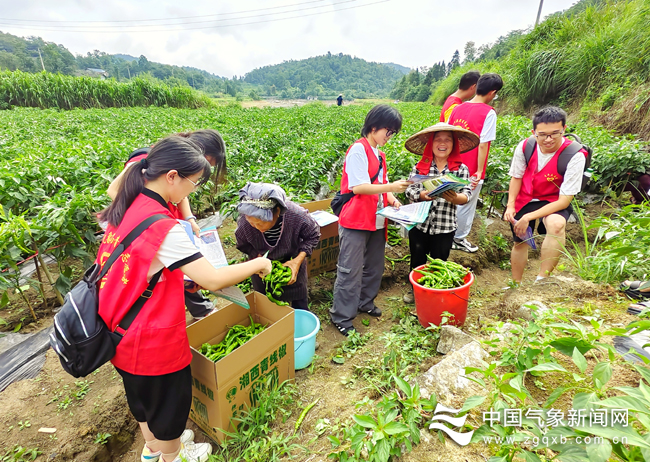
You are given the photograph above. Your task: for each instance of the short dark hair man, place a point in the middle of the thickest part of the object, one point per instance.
(479, 117)
(539, 190)
(466, 90)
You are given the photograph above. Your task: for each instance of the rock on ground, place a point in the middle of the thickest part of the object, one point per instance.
(446, 379)
(452, 339)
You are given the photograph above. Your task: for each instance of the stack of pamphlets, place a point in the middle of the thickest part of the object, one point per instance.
(439, 184)
(407, 215)
(209, 244)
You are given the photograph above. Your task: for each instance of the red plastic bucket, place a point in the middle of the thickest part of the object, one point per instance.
(431, 303)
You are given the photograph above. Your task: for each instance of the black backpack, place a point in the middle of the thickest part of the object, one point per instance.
(340, 199)
(565, 156)
(80, 336)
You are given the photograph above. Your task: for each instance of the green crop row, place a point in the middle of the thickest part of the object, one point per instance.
(55, 166)
(47, 90)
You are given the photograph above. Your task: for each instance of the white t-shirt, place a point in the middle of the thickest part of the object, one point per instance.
(489, 131)
(175, 251)
(356, 167)
(572, 182)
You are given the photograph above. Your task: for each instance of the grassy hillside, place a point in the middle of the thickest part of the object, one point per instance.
(595, 58)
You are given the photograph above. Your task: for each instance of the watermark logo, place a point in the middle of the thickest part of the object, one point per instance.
(461, 439)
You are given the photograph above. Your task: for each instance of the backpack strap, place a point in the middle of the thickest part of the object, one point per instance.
(565, 156)
(381, 163)
(129, 317)
(530, 144)
(126, 242)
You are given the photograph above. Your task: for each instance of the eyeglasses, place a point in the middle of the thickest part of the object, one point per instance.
(196, 185)
(390, 133)
(552, 136)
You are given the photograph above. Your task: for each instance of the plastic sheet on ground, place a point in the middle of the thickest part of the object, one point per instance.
(22, 356)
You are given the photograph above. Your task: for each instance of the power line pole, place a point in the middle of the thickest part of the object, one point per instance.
(539, 12)
(39, 55)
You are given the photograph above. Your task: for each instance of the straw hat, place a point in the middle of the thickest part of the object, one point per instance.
(467, 139)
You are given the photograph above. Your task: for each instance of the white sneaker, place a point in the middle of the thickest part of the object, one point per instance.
(464, 245)
(187, 436)
(194, 452)
(147, 456)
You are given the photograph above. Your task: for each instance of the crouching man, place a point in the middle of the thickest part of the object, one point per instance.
(546, 171)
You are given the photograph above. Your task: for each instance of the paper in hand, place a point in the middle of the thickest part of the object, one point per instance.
(528, 237)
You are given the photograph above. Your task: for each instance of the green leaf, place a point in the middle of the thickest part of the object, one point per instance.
(382, 451)
(585, 401)
(63, 284)
(394, 428)
(4, 301)
(403, 385)
(567, 344)
(602, 373)
(338, 359)
(547, 367)
(531, 456)
(579, 360)
(644, 371)
(365, 421)
(554, 396)
(626, 402)
(599, 452)
(334, 440)
(471, 403)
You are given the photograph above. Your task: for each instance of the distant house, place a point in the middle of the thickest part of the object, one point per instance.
(97, 72)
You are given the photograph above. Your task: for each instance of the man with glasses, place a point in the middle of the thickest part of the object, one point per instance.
(545, 177)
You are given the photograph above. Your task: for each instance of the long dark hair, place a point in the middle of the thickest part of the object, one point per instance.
(213, 146)
(171, 153)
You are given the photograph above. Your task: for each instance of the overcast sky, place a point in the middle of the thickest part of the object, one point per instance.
(229, 37)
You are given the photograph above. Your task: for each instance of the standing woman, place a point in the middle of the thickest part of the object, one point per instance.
(270, 222)
(362, 232)
(214, 150)
(440, 146)
(154, 356)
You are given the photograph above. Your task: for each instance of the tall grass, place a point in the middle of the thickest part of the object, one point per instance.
(47, 90)
(573, 58)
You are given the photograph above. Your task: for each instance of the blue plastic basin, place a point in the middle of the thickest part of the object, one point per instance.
(307, 326)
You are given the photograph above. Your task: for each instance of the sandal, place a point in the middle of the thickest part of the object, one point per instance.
(633, 290)
(637, 308)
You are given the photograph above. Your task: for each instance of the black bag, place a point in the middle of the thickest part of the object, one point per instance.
(565, 156)
(80, 336)
(340, 199)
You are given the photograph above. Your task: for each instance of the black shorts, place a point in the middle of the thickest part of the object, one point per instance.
(162, 401)
(532, 207)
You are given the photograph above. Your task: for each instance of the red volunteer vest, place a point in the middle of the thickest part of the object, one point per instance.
(360, 211)
(543, 185)
(450, 104)
(471, 116)
(156, 342)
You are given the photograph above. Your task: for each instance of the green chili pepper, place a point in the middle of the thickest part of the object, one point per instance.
(236, 336)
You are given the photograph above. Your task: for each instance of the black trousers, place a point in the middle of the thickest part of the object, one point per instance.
(423, 244)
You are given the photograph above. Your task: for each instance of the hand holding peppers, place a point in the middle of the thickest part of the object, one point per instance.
(279, 277)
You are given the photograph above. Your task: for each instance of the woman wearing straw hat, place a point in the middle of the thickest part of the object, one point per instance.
(440, 147)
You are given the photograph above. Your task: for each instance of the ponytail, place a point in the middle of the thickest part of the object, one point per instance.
(171, 153)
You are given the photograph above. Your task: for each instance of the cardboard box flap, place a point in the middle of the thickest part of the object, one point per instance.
(317, 205)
